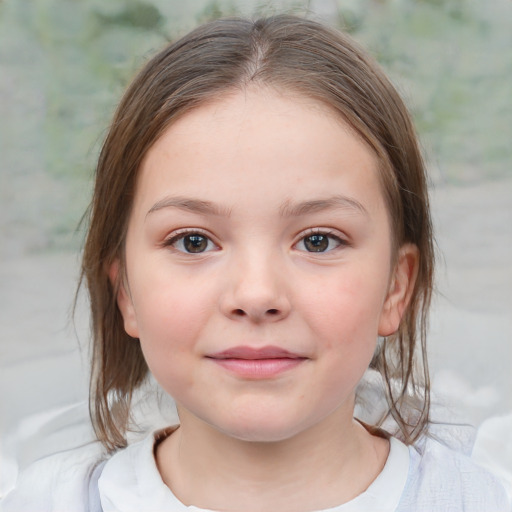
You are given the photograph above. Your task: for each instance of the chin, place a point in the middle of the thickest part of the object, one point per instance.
(260, 430)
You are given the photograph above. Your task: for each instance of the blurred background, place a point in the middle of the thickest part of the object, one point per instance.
(63, 67)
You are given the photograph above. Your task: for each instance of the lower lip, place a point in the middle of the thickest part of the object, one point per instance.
(259, 368)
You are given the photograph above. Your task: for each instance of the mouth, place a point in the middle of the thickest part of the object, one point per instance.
(257, 363)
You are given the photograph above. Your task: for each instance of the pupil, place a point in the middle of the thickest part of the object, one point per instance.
(316, 243)
(195, 243)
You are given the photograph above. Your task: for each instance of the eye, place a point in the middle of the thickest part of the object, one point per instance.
(191, 243)
(319, 242)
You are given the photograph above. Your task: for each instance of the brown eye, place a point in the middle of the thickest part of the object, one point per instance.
(195, 243)
(319, 242)
(316, 243)
(192, 243)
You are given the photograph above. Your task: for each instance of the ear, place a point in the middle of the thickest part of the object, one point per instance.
(123, 298)
(400, 290)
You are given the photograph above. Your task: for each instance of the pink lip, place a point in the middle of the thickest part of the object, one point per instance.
(257, 363)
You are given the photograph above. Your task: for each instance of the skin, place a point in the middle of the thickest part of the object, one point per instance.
(253, 175)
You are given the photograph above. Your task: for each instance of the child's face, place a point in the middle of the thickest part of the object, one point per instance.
(259, 265)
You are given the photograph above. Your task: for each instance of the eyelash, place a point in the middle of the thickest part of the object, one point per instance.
(328, 234)
(181, 235)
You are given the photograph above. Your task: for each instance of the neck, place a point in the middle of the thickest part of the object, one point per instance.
(324, 466)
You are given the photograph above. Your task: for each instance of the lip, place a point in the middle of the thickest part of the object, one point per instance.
(251, 353)
(257, 363)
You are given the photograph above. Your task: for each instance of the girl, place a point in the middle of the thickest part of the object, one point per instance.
(259, 237)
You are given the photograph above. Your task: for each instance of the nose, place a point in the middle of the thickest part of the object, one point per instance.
(256, 291)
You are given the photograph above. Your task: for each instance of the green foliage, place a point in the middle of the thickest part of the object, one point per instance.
(215, 9)
(350, 20)
(65, 64)
(446, 61)
(456, 9)
(211, 11)
(135, 14)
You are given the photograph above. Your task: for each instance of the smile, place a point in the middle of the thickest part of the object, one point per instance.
(260, 363)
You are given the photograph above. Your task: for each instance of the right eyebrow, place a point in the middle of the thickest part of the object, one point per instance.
(190, 205)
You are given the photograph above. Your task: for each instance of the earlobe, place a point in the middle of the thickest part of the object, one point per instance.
(400, 289)
(123, 298)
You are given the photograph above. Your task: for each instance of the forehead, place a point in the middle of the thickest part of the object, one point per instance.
(258, 140)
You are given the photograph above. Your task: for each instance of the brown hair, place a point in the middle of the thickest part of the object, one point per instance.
(286, 52)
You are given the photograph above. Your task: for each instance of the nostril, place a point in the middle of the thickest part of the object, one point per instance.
(238, 312)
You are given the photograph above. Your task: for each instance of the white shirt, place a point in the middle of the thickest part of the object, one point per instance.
(135, 470)
(438, 479)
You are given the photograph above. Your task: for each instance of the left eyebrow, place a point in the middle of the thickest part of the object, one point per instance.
(289, 209)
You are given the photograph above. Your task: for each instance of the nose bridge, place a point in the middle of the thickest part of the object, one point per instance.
(257, 288)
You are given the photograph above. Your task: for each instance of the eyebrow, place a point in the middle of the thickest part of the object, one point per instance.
(189, 205)
(290, 209)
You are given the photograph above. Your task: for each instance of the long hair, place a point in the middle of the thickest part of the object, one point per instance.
(288, 53)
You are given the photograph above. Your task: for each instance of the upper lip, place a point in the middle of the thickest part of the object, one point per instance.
(246, 352)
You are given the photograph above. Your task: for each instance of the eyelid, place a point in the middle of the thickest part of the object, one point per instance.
(340, 237)
(332, 232)
(178, 234)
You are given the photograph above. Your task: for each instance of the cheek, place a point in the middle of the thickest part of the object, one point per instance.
(168, 305)
(167, 342)
(349, 305)
(171, 318)
(344, 313)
